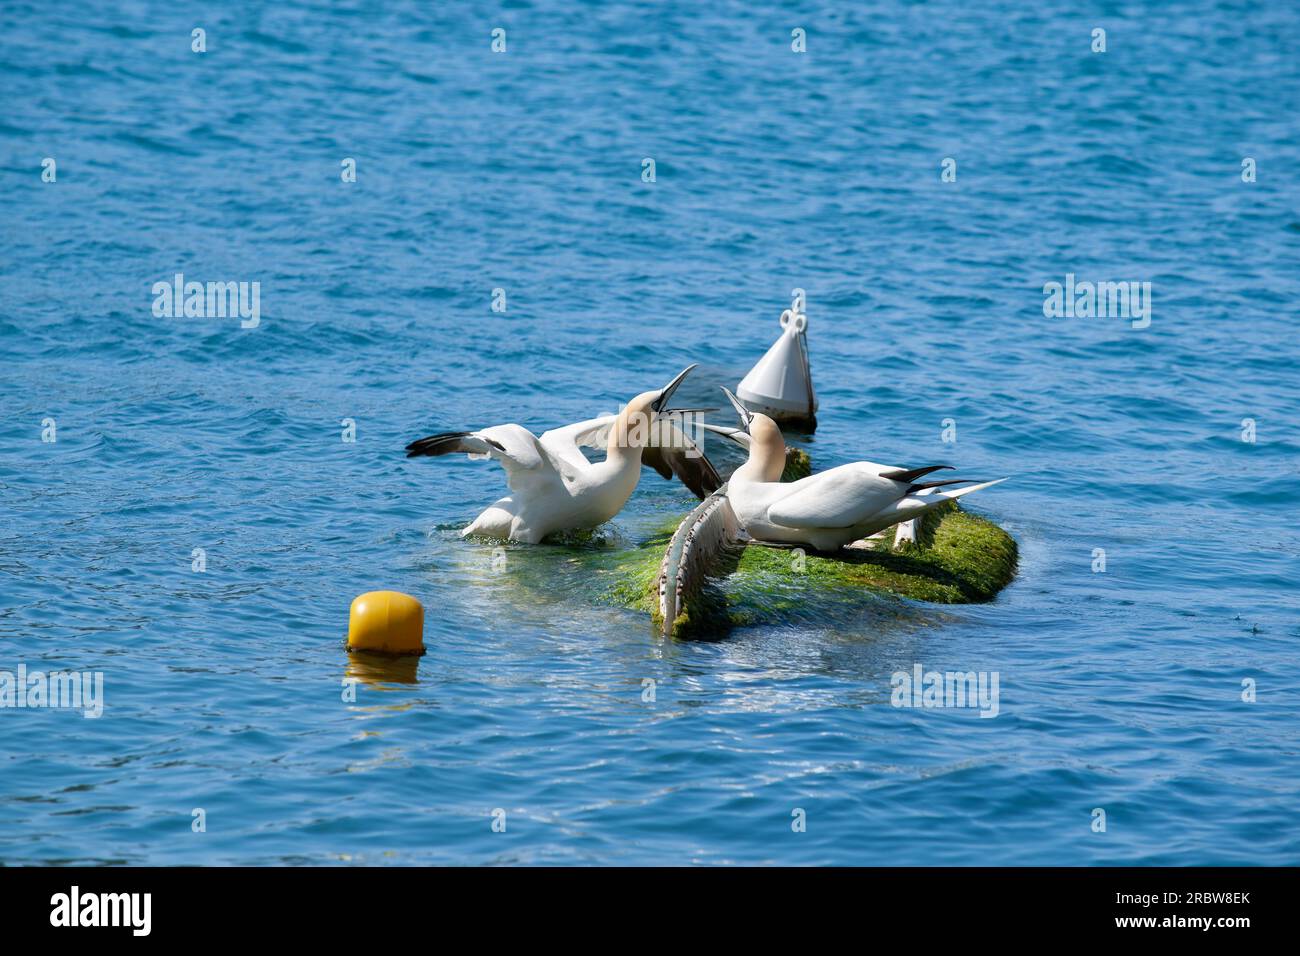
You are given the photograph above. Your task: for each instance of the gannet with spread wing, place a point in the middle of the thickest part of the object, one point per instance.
(553, 487)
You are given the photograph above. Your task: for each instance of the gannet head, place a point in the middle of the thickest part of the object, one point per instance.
(634, 424)
(766, 445)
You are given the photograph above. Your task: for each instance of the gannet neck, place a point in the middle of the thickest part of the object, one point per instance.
(630, 433)
(766, 451)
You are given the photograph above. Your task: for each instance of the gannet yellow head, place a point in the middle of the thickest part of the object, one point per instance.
(766, 444)
(633, 427)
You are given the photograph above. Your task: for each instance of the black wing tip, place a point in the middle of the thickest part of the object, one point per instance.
(444, 443)
(433, 444)
(909, 475)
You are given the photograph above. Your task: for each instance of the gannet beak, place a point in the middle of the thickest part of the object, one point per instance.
(743, 413)
(689, 411)
(658, 404)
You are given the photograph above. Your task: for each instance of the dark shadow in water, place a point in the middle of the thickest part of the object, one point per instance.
(376, 670)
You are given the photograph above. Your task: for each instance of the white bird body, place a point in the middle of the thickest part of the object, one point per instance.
(831, 508)
(554, 487)
(550, 490)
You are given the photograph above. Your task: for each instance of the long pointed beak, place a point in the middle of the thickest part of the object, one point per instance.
(689, 411)
(743, 413)
(658, 404)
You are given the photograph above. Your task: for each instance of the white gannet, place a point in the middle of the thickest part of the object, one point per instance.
(831, 508)
(553, 487)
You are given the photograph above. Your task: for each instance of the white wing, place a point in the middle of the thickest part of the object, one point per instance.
(839, 498)
(526, 462)
(564, 442)
(669, 451)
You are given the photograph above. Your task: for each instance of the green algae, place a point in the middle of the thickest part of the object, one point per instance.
(797, 465)
(635, 572)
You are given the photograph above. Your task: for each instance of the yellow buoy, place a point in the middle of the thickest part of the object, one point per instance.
(386, 621)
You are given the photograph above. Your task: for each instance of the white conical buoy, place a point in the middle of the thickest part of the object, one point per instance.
(780, 385)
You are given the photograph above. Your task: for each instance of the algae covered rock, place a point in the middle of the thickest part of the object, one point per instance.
(697, 580)
(960, 558)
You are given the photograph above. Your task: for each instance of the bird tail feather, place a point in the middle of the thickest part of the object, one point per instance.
(915, 505)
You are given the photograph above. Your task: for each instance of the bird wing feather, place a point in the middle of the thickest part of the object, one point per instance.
(566, 441)
(839, 498)
(670, 451)
(515, 447)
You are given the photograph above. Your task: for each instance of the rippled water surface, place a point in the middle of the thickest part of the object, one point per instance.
(522, 171)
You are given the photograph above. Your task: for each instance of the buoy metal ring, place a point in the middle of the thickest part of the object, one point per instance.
(798, 319)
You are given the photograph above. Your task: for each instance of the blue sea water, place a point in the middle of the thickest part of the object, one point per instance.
(224, 690)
